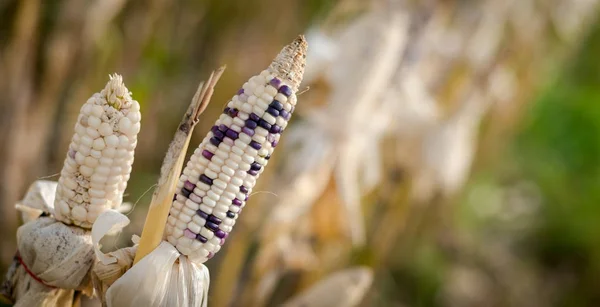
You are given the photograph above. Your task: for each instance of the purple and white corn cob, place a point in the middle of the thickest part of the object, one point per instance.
(98, 163)
(222, 172)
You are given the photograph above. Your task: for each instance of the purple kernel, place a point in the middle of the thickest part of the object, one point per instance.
(202, 214)
(268, 157)
(251, 123)
(263, 123)
(275, 104)
(236, 202)
(219, 135)
(275, 129)
(222, 241)
(254, 117)
(270, 137)
(285, 114)
(286, 90)
(220, 234)
(272, 111)
(188, 233)
(210, 255)
(255, 166)
(255, 145)
(223, 128)
(226, 110)
(231, 134)
(195, 198)
(185, 192)
(245, 199)
(253, 172)
(214, 219)
(207, 154)
(275, 82)
(72, 153)
(243, 189)
(210, 225)
(248, 131)
(174, 197)
(233, 112)
(230, 214)
(205, 179)
(200, 238)
(274, 143)
(188, 185)
(215, 141)
(240, 91)
(214, 129)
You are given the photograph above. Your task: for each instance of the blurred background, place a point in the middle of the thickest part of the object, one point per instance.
(447, 152)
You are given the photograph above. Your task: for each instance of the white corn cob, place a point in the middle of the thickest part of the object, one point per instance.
(221, 173)
(98, 163)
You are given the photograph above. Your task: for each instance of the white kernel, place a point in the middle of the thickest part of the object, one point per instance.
(98, 144)
(246, 108)
(236, 128)
(193, 227)
(259, 90)
(96, 193)
(180, 224)
(270, 90)
(235, 158)
(262, 104)
(135, 129)
(258, 110)
(251, 151)
(209, 201)
(198, 221)
(260, 138)
(246, 139)
(134, 116)
(91, 132)
(234, 208)
(218, 159)
(98, 178)
(177, 205)
(227, 195)
(191, 205)
(91, 162)
(97, 111)
(227, 170)
(125, 125)
(111, 140)
(247, 159)
(281, 98)
(135, 106)
(206, 208)
(269, 118)
(189, 212)
(227, 121)
(123, 141)
(219, 183)
(212, 195)
(94, 122)
(293, 99)
(92, 216)
(79, 213)
(86, 171)
(87, 141)
(222, 207)
(205, 232)
(84, 150)
(226, 228)
(214, 167)
(261, 132)
(87, 107)
(211, 174)
(222, 215)
(109, 152)
(210, 147)
(63, 207)
(201, 186)
(237, 181)
(105, 129)
(229, 222)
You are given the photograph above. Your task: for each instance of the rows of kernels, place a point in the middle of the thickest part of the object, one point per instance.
(100, 156)
(223, 170)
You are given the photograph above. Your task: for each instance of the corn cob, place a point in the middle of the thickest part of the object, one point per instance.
(99, 159)
(221, 173)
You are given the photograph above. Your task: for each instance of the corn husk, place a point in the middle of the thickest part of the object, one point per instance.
(59, 255)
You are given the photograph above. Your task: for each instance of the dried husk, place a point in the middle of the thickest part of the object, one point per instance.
(59, 255)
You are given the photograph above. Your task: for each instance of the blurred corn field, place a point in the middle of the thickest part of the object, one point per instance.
(444, 154)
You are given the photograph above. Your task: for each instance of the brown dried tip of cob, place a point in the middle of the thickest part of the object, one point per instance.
(290, 62)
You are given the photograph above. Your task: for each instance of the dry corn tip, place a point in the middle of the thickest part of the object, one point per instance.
(99, 159)
(216, 182)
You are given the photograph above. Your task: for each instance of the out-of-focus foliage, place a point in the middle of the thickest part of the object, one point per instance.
(424, 150)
